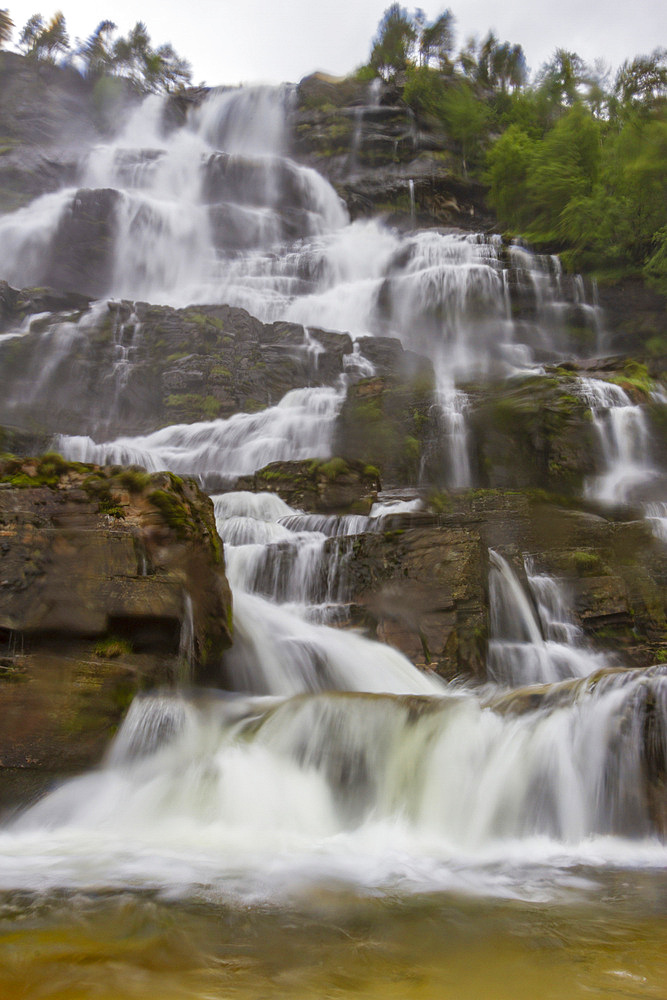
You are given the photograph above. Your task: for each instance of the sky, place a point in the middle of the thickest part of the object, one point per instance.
(283, 40)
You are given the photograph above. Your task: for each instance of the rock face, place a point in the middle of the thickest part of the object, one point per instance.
(421, 583)
(387, 421)
(112, 582)
(533, 431)
(369, 144)
(48, 116)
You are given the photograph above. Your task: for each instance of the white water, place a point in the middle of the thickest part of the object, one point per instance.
(300, 426)
(216, 212)
(340, 760)
(624, 440)
(533, 639)
(253, 797)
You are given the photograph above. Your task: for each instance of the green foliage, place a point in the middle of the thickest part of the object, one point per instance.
(466, 119)
(437, 41)
(595, 190)
(425, 91)
(6, 27)
(147, 69)
(508, 168)
(44, 41)
(394, 42)
(655, 267)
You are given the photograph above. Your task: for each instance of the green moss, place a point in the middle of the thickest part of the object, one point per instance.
(635, 377)
(48, 471)
(439, 502)
(371, 472)
(172, 510)
(656, 347)
(111, 648)
(191, 407)
(586, 563)
(98, 488)
(134, 479)
(333, 468)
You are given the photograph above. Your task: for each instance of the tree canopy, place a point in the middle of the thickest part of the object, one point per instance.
(574, 159)
(132, 56)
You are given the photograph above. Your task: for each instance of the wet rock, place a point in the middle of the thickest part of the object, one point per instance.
(112, 582)
(419, 581)
(386, 421)
(535, 432)
(635, 320)
(334, 486)
(81, 257)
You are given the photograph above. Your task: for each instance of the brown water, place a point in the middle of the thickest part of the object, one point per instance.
(605, 943)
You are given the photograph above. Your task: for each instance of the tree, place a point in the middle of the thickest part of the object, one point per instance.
(54, 39)
(642, 83)
(394, 42)
(509, 164)
(437, 39)
(30, 32)
(44, 41)
(150, 70)
(97, 51)
(562, 76)
(466, 119)
(6, 27)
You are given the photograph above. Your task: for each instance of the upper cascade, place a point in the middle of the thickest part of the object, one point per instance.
(215, 211)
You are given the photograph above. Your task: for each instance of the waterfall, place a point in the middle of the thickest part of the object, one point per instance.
(329, 758)
(300, 426)
(624, 441)
(215, 211)
(238, 792)
(533, 639)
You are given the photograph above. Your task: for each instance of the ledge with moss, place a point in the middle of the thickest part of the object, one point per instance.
(324, 486)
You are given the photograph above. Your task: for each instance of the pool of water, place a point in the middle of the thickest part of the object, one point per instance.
(602, 936)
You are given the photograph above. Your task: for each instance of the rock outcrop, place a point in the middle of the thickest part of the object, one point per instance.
(334, 486)
(112, 582)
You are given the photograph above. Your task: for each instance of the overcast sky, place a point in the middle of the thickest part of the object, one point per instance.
(284, 40)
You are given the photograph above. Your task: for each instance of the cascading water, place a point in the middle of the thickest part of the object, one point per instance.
(215, 211)
(300, 426)
(533, 638)
(333, 761)
(624, 440)
(249, 794)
